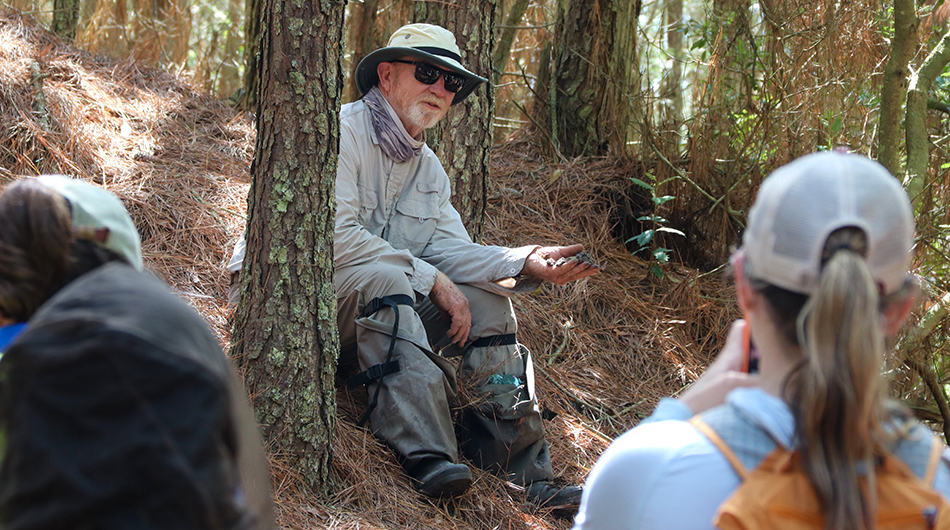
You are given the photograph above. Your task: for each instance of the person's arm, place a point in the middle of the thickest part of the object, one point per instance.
(452, 251)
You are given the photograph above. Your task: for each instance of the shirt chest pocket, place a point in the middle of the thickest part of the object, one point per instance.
(367, 207)
(415, 219)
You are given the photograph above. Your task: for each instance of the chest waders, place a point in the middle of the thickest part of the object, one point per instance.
(379, 371)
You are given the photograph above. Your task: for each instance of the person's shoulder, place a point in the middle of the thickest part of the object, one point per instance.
(643, 477)
(352, 111)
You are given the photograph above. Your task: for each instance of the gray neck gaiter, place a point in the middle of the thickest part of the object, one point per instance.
(392, 136)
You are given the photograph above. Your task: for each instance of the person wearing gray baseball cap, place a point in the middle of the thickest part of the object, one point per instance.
(808, 438)
(413, 290)
(118, 408)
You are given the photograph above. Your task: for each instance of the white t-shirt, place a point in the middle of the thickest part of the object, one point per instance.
(664, 474)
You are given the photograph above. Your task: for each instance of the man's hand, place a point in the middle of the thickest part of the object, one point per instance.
(454, 307)
(722, 376)
(540, 264)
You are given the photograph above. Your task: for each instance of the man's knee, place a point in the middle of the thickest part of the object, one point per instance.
(492, 314)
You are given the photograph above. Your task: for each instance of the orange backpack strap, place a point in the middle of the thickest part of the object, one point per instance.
(936, 448)
(723, 447)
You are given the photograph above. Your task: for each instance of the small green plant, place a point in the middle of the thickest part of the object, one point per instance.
(646, 240)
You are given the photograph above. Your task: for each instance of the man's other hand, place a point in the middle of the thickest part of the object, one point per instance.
(454, 307)
(541, 264)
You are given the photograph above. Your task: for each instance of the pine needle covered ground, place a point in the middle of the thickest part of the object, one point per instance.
(605, 349)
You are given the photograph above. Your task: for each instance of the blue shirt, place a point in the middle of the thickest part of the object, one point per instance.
(9, 333)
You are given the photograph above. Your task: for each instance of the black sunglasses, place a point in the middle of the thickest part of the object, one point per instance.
(428, 74)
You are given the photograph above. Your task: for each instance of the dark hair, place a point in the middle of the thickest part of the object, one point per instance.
(835, 390)
(35, 241)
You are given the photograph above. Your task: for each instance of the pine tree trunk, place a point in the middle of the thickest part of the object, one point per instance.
(673, 82)
(364, 38)
(597, 88)
(915, 125)
(285, 326)
(65, 18)
(463, 139)
(506, 37)
(894, 91)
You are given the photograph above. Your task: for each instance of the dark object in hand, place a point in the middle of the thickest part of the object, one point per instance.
(582, 257)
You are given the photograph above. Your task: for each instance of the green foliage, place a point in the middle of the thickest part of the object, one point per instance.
(646, 240)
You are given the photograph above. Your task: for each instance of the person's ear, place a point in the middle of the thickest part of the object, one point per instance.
(386, 73)
(745, 294)
(896, 312)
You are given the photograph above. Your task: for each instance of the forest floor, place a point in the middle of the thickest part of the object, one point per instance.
(605, 349)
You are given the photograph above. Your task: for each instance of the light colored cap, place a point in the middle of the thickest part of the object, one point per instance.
(98, 215)
(433, 44)
(800, 204)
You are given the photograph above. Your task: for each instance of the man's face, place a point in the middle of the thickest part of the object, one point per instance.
(417, 104)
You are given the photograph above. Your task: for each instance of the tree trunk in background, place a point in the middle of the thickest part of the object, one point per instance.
(363, 37)
(597, 89)
(229, 80)
(672, 83)
(463, 139)
(104, 28)
(506, 37)
(252, 44)
(285, 334)
(161, 30)
(915, 126)
(895, 84)
(65, 18)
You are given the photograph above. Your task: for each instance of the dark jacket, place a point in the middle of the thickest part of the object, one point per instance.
(118, 409)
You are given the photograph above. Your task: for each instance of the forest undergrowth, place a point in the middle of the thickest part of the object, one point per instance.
(605, 349)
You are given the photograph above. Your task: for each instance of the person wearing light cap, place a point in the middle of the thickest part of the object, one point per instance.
(411, 284)
(822, 279)
(118, 408)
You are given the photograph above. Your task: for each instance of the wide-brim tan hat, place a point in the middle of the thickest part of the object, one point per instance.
(434, 44)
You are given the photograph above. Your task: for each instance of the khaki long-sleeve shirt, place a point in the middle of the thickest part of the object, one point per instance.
(400, 213)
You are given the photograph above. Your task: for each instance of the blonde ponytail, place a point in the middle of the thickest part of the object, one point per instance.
(836, 391)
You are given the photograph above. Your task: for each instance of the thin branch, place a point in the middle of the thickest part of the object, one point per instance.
(941, 106)
(930, 378)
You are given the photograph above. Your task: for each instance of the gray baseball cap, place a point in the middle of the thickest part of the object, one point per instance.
(801, 203)
(98, 215)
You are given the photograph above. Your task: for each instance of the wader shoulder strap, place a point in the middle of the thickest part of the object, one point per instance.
(379, 371)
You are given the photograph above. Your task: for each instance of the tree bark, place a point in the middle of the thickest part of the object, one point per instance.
(894, 89)
(65, 18)
(463, 139)
(915, 125)
(596, 88)
(284, 335)
(252, 43)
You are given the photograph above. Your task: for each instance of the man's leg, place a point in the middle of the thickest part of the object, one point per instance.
(412, 414)
(500, 427)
